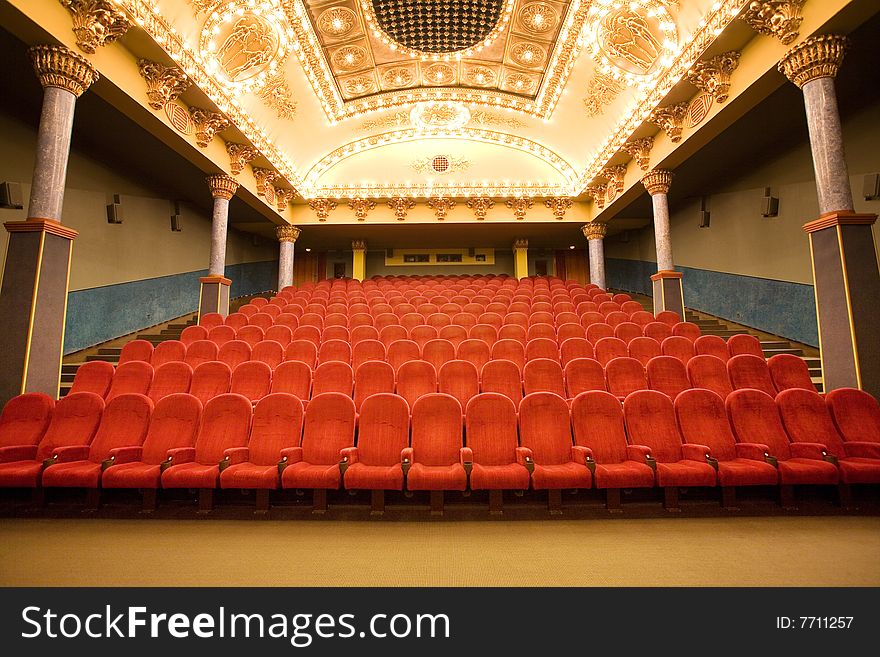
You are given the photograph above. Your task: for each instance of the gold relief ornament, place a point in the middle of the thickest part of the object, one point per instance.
(657, 181)
(669, 119)
(538, 18)
(615, 176)
(349, 58)
(164, 83)
(336, 22)
(640, 150)
(779, 18)
(484, 118)
(360, 207)
(222, 186)
(395, 120)
(519, 83)
(287, 233)
(239, 155)
(439, 74)
(482, 76)
(597, 193)
(322, 207)
(441, 206)
(277, 95)
(398, 77)
(527, 54)
(713, 75)
(595, 230)
(817, 57)
(401, 206)
(208, 124)
(359, 85)
(601, 91)
(520, 205)
(520, 243)
(205, 6)
(264, 179)
(56, 66)
(358, 245)
(480, 206)
(440, 165)
(558, 205)
(96, 23)
(443, 115)
(283, 197)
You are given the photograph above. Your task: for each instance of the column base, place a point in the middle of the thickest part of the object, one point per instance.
(214, 295)
(668, 293)
(33, 305)
(847, 287)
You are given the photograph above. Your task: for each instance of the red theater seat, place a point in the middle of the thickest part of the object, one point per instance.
(220, 335)
(210, 320)
(234, 353)
(627, 331)
(360, 333)
(269, 352)
(455, 334)
(789, 371)
(136, 350)
(687, 330)
(542, 348)
(422, 334)
(402, 351)
(416, 379)
(294, 378)
(485, 332)
(310, 333)
(302, 351)
(168, 351)
(541, 331)
(24, 421)
(366, 351)
(459, 378)
(502, 377)
(667, 375)
(710, 373)
(743, 343)
(334, 376)
(543, 375)
(169, 379)
(251, 334)
(607, 349)
(133, 377)
(583, 374)
(200, 351)
(574, 348)
(625, 375)
(643, 349)
(596, 332)
(236, 320)
(251, 380)
(668, 317)
(747, 371)
(434, 460)
(711, 345)
(657, 331)
(856, 414)
(335, 350)
(95, 376)
(679, 347)
(192, 333)
(371, 378)
(280, 334)
(209, 380)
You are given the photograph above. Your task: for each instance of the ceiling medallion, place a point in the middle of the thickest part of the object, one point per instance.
(244, 43)
(398, 77)
(439, 74)
(349, 58)
(433, 28)
(359, 85)
(519, 83)
(528, 54)
(538, 18)
(482, 76)
(447, 116)
(336, 22)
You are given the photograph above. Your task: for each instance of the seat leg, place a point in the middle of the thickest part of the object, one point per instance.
(728, 498)
(93, 499)
(554, 501)
(786, 497)
(319, 500)
(206, 500)
(436, 502)
(612, 500)
(377, 502)
(149, 504)
(670, 499)
(262, 499)
(844, 494)
(496, 502)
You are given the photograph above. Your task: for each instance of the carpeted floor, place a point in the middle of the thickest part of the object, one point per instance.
(806, 551)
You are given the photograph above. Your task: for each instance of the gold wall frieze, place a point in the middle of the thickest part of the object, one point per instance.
(361, 206)
(558, 205)
(480, 206)
(669, 119)
(401, 206)
(713, 75)
(520, 205)
(441, 206)
(640, 151)
(96, 23)
(164, 83)
(277, 95)
(208, 123)
(322, 207)
(601, 91)
(777, 18)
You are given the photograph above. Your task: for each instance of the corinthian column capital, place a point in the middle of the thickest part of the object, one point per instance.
(657, 181)
(56, 66)
(287, 233)
(817, 57)
(222, 186)
(595, 230)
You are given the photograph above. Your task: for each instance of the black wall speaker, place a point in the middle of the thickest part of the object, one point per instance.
(114, 210)
(10, 196)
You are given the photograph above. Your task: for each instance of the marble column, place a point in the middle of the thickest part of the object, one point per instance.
(33, 297)
(359, 260)
(214, 295)
(842, 249)
(666, 283)
(521, 259)
(595, 234)
(287, 236)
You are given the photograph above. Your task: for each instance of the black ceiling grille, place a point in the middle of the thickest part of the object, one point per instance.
(438, 26)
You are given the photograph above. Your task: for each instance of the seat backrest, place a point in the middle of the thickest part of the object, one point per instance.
(234, 353)
(415, 379)
(658, 331)
(210, 320)
(310, 333)
(650, 421)
(710, 373)
(512, 350)
(743, 343)
(608, 349)
(200, 351)
(789, 371)
(502, 377)
(421, 334)
(124, 423)
(570, 330)
(460, 379)
(292, 377)
(678, 347)
(490, 429)
(168, 351)
(95, 377)
(485, 332)
(236, 320)
(371, 378)
(687, 330)
(641, 317)
(856, 414)
(542, 348)
(328, 428)
(543, 375)
(174, 423)
(402, 351)
(303, 351)
(288, 320)
(209, 380)
(703, 420)
(277, 424)
(25, 419)
(667, 375)
(252, 380)
(383, 429)
(226, 423)
(74, 422)
(436, 430)
(545, 428)
(616, 318)
(474, 351)
(192, 333)
(360, 333)
(643, 349)
(598, 332)
(583, 374)
(807, 420)
(627, 331)
(437, 352)
(438, 320)
(455, 334)
(135, 376)
(264, 320)
(597, 423)
(573, 348)
(536, 331)
(333, 376)
(755, 418)
(366, 351)
(668, 317)
(251, 334)
(334, 350)
(280, 334)
(136, 350)
(269, 352)
(512, 332)
(625, 375)
(747, 371)
(711, 345)
(168, 379)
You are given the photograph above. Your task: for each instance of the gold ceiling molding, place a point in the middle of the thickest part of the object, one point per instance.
(520, 205)
(478, 118)
(558, 205)
(164, 83)
(277, 95)
(322, 207)
(595, 230)
(208, 123)
(777, 18)
(360, 207)
(57, 66)
(222, 186)
(657, 181)
(614, 175)
(239, 155)
(96, 23)
(287, 233)
(264, 179)
(640, 151)
(817, 57)
(440, 165)
(480, 206)
(601, 92)
(283, 197)
(713, 75)
(205, 6)
(597, 194)
(441, 206)
(669, 119)
(401, 206)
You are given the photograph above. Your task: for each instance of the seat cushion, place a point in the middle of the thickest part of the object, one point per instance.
(746, 472)
(191, 475)
(132, 475)
(374, 477)
(77, 474)
(20, 474)
(436, 477)
(855, 470)
(629, 474)
(807, 471)
(306, 475)
(250, 475)
(511, 476)
(685, 473)
(563, 475)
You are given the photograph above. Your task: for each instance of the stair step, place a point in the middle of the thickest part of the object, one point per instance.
(70, 368)
(110, 351)
(791, 350)
(67, 378)
(108, 359)
(775, 344)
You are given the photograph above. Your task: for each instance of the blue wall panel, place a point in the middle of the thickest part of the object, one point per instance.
(103, 313)
(779, 307)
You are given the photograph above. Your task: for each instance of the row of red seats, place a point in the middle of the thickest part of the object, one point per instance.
(699, 440)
